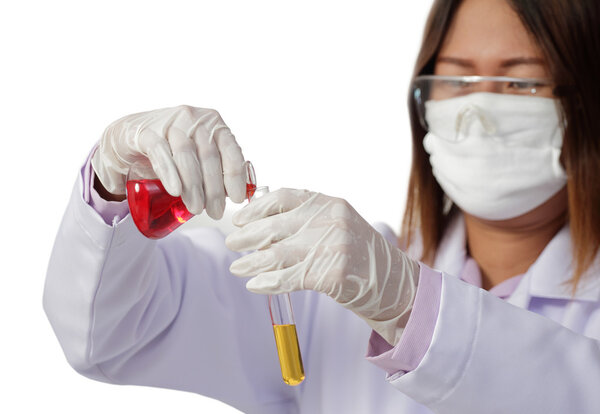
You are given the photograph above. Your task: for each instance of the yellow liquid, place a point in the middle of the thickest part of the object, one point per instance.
(288, 349)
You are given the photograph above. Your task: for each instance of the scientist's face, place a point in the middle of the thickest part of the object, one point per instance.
(487, 38)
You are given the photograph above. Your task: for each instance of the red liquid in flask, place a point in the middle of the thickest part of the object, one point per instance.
(155, 212)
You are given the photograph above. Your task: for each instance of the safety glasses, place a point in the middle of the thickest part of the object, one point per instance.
(426, 88)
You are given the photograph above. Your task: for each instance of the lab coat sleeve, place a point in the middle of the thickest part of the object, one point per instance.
(416, 338)
(488, 356)
(167, 313)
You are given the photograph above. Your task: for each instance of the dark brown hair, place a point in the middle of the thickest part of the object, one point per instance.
(568, 33)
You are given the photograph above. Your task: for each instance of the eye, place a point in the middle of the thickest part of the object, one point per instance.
(522, 85)
(457, 84)
(525, 87)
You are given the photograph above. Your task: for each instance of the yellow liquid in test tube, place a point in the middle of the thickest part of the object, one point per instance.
(288, 350)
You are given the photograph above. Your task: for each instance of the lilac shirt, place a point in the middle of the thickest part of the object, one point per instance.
(416, 338)
(108, 210)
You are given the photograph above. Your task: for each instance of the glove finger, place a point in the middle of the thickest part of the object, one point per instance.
(264, 232)
(277, 282)
(212, 171)
(122, 137)
(232, 160)
(157, 149)
(278, 256)
(186, 160)
(280, 201)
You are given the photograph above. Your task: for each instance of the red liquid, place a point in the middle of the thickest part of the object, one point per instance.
(155, 212)
(250, 189)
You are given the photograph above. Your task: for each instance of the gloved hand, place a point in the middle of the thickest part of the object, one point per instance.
(307, 240)
(192, 151)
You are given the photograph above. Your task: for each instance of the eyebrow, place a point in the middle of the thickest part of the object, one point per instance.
(467, 63)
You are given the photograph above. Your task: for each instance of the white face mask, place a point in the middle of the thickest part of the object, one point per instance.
(496, 156)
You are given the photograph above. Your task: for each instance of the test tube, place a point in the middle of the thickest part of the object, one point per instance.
(286, 339)
(284, 326)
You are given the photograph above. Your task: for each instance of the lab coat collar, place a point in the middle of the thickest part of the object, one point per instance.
(547, 277)
(552, 271)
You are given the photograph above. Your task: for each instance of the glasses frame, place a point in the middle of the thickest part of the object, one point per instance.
(418, 98)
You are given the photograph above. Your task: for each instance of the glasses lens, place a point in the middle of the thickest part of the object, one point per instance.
(438, 88)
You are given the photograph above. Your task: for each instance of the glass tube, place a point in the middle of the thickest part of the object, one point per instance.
(286, 339)
(284, 329)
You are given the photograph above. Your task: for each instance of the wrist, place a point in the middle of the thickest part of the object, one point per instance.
(391, 330)
(104, 193)
(404, 277)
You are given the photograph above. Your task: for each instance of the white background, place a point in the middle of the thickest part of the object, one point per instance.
(315, 92)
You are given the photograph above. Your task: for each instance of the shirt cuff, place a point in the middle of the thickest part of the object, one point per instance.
(416, 338)
(108, 210)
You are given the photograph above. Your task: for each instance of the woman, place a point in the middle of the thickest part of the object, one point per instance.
(503, 203)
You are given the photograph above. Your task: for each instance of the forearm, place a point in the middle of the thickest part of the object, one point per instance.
(104, 193)
(85, 274)
(479, 339)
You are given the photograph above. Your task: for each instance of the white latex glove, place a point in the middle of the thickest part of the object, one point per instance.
(308, 240)
(192, 151)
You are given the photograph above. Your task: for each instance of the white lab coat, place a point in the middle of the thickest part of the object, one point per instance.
(167, 313)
